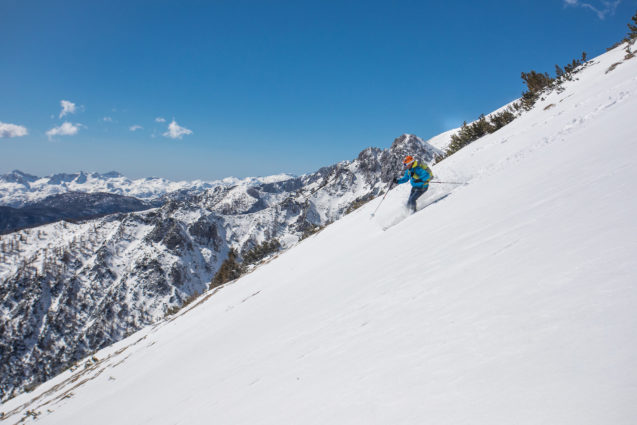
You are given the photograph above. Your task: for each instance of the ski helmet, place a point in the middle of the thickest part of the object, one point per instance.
(408, 161)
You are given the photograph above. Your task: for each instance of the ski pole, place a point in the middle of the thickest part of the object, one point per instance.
(381, 201)
(447, 182)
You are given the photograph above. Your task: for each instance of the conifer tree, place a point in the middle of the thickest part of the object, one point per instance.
(535, 81)
(632, 28)
(501, 119)
(261, 251)
(230, 269)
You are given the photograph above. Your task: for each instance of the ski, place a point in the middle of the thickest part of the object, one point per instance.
(428, 203)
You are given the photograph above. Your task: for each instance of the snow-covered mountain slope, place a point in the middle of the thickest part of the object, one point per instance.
(442, 140)
(18, 188)
(511, 300)
(70, 289)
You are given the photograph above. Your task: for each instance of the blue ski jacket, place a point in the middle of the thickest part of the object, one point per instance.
(418, 176)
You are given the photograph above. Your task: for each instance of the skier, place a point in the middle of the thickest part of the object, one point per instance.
(419, 175)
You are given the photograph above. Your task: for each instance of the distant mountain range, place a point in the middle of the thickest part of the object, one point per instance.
(28, 201)
(18, 188)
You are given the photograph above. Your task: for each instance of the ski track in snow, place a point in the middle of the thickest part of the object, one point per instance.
(511, 300)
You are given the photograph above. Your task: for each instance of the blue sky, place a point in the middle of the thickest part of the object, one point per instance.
(209, 89)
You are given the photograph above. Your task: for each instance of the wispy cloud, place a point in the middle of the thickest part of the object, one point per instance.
(160, 119)
(68, 107)
(602, 8)
(12, 130)
(107, 119)
(66, 129)
(135, 127)
(175, 131)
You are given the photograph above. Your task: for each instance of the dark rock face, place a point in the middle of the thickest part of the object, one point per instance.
(67, 206)
(204, 231)
(85, 286)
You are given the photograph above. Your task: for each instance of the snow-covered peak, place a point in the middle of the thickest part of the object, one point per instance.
(17, 176)
(406, 140)
(409, 143)
(111, 175)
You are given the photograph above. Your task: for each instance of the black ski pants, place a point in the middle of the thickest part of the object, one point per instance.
(416, 192)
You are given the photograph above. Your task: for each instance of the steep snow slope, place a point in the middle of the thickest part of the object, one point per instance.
(442, 140)
(510, 301)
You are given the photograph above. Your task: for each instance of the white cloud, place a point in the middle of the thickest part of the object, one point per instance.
(107, 119)
(66, 129)
(602, 8)
(175, 131)
(160, 119)
(67, 108)
(12, 130)
(135, 127)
